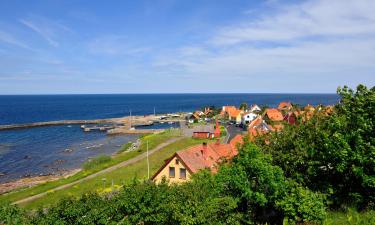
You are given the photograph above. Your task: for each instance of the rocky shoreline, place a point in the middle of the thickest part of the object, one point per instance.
(32, 181)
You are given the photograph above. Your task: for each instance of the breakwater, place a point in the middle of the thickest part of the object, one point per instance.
(55, 123)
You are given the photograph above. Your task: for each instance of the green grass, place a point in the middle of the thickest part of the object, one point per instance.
(103, 183)
(153, 140)
(96, 161)
(350, 217)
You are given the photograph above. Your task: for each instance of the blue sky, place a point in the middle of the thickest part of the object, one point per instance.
(170, 46)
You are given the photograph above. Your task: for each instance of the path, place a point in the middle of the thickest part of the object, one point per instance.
(109, 169)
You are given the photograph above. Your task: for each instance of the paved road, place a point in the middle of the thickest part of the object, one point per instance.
(233, 130)
(109, 169)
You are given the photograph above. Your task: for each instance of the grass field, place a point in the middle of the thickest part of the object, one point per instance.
(153, 140)
(103, 183)
(350, 217)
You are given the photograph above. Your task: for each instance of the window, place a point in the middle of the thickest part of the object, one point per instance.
(177, 161)
(182, 173)
(171, 172)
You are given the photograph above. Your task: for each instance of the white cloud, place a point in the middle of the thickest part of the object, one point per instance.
(114, 45)
(324, 18)
(321, 39)
(8, 38)
(46, 28)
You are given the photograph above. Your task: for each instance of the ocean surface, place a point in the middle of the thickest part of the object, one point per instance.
(52, 150)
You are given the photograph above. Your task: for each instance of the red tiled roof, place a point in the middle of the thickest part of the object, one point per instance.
(256, 122)
(200, 157)
(277, 127)
(284, 105)
(237, 140)
(254, 132)
(274, 114)
(234, 112)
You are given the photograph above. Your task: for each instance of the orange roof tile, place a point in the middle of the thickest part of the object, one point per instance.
(274, 114)
(235, 112)
(237, 140)
(284, 105)
(202, 156)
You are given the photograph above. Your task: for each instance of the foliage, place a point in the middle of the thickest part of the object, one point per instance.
(350, 217)
(96, 161)
(332, 154)
(301, 203)
(263, 192)
(243, 106)
(10, 214)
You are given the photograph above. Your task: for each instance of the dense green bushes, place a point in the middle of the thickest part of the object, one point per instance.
(333, 154)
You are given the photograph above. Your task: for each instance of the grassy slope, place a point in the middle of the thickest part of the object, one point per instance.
(153, 139)
(350, 217)
(137, 170)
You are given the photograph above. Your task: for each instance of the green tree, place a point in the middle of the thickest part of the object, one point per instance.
(243, 106)
(332, 154)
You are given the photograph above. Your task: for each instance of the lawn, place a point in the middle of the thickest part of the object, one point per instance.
(114, 179)
(350, 217)
(153, 141)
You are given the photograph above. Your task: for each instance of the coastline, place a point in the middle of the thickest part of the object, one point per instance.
(33, 181)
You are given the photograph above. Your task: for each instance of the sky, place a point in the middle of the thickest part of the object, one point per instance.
(176, 46)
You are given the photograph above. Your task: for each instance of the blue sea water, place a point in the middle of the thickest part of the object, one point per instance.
(42, 150)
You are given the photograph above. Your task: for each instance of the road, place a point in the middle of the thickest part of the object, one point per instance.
(233, 130)
(109, 169)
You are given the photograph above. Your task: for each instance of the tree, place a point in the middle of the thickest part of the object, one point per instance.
(332, 154)
(243, 106)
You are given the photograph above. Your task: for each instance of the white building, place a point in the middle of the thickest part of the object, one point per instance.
(248, 117)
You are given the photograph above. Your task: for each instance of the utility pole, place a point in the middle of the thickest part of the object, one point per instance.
(148, 164)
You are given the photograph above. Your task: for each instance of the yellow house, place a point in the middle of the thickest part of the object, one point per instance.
(184, 163)
(236, 116)
(174, 170)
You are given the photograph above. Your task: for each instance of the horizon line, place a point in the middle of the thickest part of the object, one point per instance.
(169, 93)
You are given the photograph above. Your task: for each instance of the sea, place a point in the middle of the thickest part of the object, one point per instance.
(56, 149)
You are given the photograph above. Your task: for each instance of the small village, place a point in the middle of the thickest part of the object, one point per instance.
(223, 130)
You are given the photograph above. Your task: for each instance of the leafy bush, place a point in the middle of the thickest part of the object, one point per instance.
(94, 162)
(10, 214)
(332, 154)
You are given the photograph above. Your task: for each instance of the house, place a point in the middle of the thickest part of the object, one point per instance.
(285, 106)
(208, 131)
(291, 117)
(192, 117)
(226, 109)
(259, 124)
(207, 111)
(180, 166)
(235, 116)
(273, 115)
(199, 113)
(248, 117)
(255, 109)
(309, 108)
(203, 134)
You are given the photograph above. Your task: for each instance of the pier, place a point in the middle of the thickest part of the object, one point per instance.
(54, 123)
(103, 124)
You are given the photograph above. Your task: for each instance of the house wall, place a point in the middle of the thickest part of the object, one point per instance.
(165, 173)
(201, 135)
